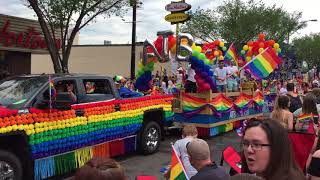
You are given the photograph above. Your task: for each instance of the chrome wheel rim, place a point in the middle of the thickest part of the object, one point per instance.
(6, 171)
(152, 138)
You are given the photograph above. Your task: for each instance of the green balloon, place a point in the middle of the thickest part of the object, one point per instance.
(195, 53)
(243, 52)
(224, 48)
(202, 56)
(207, 62)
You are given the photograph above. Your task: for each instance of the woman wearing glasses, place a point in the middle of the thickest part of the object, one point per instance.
(266, 151)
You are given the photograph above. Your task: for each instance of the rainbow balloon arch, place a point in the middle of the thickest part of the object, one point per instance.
(212, 113)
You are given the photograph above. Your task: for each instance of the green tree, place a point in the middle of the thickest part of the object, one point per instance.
(307, 49)
(202, 25)
(65, 18)
(239, 21)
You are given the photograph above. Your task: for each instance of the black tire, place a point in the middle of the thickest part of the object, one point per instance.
(13, 161)
(150, 138)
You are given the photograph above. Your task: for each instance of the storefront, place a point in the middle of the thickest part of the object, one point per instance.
(19, 38)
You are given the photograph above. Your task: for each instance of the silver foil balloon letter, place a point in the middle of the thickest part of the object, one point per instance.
(184, 48)
(147, 55)
(165, 50)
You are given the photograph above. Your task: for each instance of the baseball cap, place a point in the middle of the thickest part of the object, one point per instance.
(198, 149)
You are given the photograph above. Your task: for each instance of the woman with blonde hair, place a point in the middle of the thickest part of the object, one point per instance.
(281, 112)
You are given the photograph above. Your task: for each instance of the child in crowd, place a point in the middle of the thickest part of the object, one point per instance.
(189, 132)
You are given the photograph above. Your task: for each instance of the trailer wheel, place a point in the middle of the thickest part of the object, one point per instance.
(10, 166)
(150, 138)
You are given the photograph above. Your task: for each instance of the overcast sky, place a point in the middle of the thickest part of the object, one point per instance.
(151, 17)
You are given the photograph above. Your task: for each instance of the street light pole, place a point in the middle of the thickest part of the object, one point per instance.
(133, 41)
(305, 21)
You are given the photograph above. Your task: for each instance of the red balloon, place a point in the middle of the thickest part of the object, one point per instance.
(206, 86)
(261, 36)
(261, 45)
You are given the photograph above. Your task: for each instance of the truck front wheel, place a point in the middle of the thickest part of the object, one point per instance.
(150, 138)
(10, 166)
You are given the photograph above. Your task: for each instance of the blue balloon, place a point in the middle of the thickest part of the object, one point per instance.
(208, 79)
(207, 68)
(204, 75)
(193, 59)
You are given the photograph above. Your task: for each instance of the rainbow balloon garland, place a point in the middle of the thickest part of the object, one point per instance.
(60, 141)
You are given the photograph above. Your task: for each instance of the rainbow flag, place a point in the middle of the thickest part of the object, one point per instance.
(308, 117)
(177, 170)
(263, 64)
(231, 54)
(52, 89)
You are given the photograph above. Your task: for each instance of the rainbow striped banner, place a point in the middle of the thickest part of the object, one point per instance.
(263, 64)
(258, 99)
(221, 103)
(190, 103)
(243, 101)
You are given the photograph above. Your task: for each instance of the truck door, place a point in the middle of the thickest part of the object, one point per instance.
(64, 93)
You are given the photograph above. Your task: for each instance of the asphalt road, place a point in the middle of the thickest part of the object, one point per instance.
(136, 164)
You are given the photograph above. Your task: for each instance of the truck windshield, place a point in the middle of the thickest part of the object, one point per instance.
(14, 93)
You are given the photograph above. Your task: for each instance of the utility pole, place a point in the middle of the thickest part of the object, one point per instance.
(133, 42)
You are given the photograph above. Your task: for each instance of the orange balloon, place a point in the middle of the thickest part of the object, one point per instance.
(250, 43)
(261, 36)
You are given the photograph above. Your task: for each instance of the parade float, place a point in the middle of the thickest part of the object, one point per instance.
(213, 113)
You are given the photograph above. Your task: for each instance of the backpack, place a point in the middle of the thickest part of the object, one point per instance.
(295, 103)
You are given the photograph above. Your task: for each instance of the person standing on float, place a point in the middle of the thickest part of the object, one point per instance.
(232, 78)
(221, 76)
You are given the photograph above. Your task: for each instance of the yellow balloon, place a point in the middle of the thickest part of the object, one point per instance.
(245, 47)
(260, 50)
(248, 58)
(193, 47)
(221, 58)
(216, 53)
(198, 49)
(221, 44)
(276, 45)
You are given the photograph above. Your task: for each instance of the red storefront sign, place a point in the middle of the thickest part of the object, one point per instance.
(30, 39)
